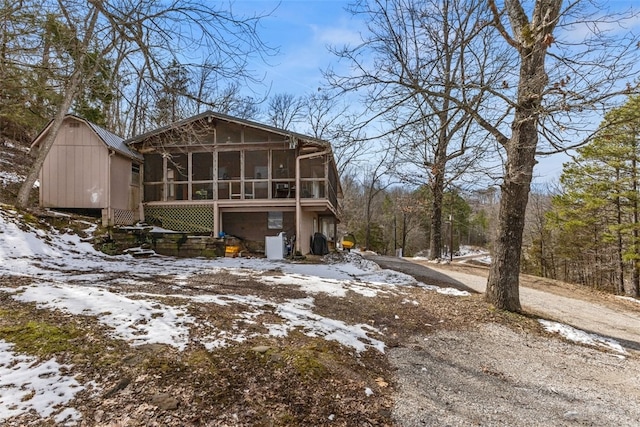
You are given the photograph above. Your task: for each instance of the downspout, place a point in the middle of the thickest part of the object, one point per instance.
(298, 206)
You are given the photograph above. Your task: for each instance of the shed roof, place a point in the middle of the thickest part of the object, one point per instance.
(111, 140)
(114, 141)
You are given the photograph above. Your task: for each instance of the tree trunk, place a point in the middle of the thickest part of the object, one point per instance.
(435, 240)
(503, 282)
(635, 276)
(532, 40)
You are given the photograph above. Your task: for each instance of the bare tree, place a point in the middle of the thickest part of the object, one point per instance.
(565, 64)
(423, 55)
(374, 184)
(333, 121)
(285, 110)
(147, 35)
(582, 76)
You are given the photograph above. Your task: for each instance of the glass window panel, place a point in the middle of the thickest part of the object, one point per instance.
(135, 174)
(228, 133)
(255, 135)
(153, 192)
(179, 164)
(261, 190)
(177, 191)
(312, 190)
(223, 190)
(274, 220)
(202, 191)
(249, 190)
(284, 190)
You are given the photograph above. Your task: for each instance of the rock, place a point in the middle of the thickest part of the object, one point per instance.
(261, 348)
(122, 384)
(164, 401)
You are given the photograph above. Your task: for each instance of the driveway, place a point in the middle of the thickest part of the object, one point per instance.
(613, 319)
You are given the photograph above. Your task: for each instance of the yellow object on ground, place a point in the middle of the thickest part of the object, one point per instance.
(347, 244)
(231, 251)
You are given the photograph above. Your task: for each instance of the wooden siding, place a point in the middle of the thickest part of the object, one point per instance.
(75, 173)
(121, 180)
(307, 231)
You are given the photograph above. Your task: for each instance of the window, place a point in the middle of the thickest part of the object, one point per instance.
(153, 164)
(229, 133)
(312, 168)
(274, 221)
(178, 167)
(135, 174)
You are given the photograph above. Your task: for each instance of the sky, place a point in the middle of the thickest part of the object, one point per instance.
(302, 30)
(69, 276)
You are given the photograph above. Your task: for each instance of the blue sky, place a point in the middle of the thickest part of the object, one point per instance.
(303, 29)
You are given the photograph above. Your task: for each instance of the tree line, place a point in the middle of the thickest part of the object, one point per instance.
(437, 97)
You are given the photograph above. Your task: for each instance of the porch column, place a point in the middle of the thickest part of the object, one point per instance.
(217, 220)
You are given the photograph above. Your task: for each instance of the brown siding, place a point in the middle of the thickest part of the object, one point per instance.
(306, 229)
(121, 183)
(74, 174)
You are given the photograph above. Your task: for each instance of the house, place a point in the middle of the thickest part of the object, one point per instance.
(211, 174)
(217, 174)
(90, 169)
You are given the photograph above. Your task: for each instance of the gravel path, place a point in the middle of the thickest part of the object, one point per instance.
(491, 375)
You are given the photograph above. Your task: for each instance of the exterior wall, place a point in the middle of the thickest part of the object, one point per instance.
(125, 193)
(253, 225)
(75, 172)
(307, 230)
(121, 179)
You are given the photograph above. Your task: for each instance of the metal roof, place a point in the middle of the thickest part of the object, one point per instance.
(114, 141)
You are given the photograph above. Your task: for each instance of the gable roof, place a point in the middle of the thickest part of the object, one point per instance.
(111, 140)
(210, 115)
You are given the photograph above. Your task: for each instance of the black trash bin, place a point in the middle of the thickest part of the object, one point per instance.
(319, 244)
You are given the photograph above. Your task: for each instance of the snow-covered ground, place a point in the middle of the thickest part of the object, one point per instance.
(68, 275)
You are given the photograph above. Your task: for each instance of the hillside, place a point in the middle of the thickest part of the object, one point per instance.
(14, 165)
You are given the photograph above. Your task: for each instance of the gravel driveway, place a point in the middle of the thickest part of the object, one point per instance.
(493, 375)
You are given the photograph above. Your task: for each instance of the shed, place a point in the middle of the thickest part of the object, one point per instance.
(91, 169)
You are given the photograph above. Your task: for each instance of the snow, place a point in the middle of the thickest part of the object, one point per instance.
(576, 335)
(69, 275)
(28, 384)
(635, 300)
(9, 178)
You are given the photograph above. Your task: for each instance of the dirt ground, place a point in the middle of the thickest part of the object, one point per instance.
(505, 374)
(449, 361)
